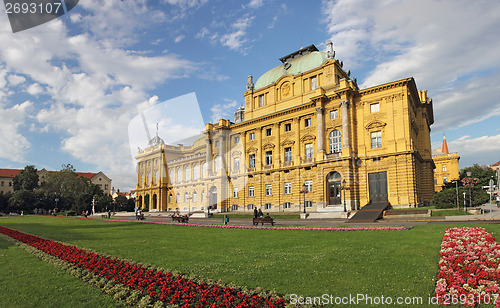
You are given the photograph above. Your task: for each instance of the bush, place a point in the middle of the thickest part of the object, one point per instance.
(70, 213)
(445, 199)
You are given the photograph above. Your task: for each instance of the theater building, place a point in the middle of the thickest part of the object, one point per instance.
(305, 136)
(447, 169)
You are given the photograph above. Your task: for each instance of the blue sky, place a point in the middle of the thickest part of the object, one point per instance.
(69, 88)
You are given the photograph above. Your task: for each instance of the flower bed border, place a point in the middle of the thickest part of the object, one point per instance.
(145, 294)
(345, 229)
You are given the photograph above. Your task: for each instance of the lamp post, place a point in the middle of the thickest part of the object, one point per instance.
(189, 203)
(209, 195)
(465, 206)
(304, 191)
(343, 188)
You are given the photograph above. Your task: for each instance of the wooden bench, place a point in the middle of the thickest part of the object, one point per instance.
(263, 220)
(180, 218)
(139, 217)
(104, 215)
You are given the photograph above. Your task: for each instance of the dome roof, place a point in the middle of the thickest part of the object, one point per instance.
(297, 66)
(156, 141)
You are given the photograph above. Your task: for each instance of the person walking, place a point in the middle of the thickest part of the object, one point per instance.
(255, 213)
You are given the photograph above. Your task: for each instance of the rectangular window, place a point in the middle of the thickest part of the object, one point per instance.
(314, 83)
(286, 205)
(261, 100)
(235, 192)
(269, 158)
(267, 206)
(250, 206)
(376, 138)
(203, 196)
(309, 185)
(236, 139)
(252, 136)
(2, 183)
(445, 180)
(268, 190)
(235, 207)
(374, 107)
(251, 161)
(236, 164)
(435, 181)
(106, 186)
(288, 127)
(195, 197)
(334, 114)
(444, 168)
(307, 122)
(250, 191)
(268, 132)
(288, 155)
(288, 188)
(309, 150)
(309, 203)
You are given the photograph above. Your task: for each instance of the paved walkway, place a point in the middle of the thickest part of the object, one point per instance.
(486, 217)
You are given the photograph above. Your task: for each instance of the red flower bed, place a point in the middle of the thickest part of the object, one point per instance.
(469, 268)
(162, 286)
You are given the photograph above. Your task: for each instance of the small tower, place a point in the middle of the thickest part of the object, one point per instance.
(444, 147)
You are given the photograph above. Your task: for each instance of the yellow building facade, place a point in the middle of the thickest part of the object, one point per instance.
(306, 135)
(447, 168)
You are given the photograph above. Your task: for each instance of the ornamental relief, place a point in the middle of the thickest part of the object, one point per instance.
(308, 137)
(268, 146)
(252, 150)
(286, 90)
(287, 142)
(375, 124)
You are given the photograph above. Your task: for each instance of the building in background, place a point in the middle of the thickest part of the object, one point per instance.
(447, 169)
(7, 176)
(305, 136)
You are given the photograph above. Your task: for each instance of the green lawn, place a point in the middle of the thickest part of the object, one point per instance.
(26, 281)
(449, 213)
(309, 263)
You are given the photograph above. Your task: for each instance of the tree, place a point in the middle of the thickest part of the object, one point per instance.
(24, 197)
(27, 179)
(4, 202)
(479, 177)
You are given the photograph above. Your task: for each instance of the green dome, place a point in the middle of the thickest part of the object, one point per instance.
(299, 65)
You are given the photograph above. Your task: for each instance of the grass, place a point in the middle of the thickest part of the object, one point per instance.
(26, 281)
(416, 208)
(309, 263)
(449, 213)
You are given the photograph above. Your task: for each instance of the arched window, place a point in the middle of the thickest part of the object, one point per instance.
(170, 199)
(186, 197)
(177, 197)
(217, 164)
(172, 175)
(204, 169)
(157, 176)
(148, 178)
(195, 196)
(196, 172)
(179, 175)
(335, 141)
(187, 174)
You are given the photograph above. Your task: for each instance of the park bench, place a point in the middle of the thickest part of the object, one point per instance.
(139, 216)
(180, 218)
(263, 220)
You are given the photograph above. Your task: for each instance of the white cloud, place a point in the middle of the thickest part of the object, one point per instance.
(255, 3)
(481, 150)
(179, 38)
(237, 39)
(223, 111)
(15, 80)
(34, 89)
(13, 145)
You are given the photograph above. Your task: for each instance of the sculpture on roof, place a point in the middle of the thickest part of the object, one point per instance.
(250, 85)
(330, 53)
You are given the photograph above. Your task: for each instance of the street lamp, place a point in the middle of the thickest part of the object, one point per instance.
(304, 191)
(465, 205)
(189, 203)
(343, 188)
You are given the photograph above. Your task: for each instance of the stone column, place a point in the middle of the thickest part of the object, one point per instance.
(222, 150)
(345, 123)
(321, 131)
(277, 151)
(296, 148)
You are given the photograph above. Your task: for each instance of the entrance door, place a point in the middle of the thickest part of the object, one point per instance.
(213, 198)
(377, 183)
(334, 193)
